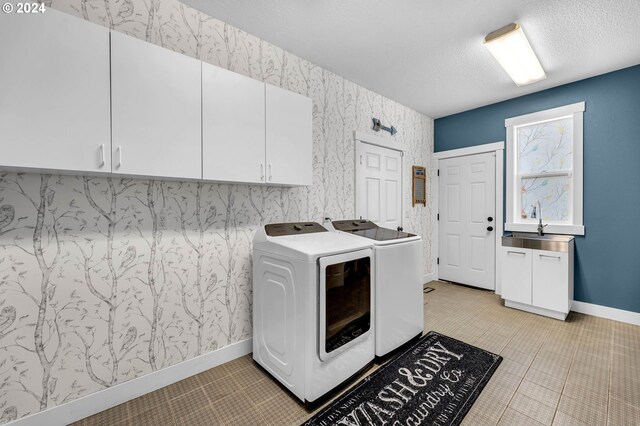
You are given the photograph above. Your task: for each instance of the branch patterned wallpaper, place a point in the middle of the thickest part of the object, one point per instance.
(106, 279)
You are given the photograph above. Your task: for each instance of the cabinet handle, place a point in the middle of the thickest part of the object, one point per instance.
(119, 150)
(261, 172)
(550, 257)
(102, 159)
(270, 174)
(515, 252)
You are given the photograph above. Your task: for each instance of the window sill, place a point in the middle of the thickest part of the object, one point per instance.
(549, 229)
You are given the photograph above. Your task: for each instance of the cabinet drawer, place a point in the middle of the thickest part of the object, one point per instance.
(516, 274)
(551, 280)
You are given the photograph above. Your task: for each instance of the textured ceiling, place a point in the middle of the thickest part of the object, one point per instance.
(428, 54)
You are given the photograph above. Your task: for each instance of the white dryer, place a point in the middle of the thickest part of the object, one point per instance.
(398, 291)
(313, 306)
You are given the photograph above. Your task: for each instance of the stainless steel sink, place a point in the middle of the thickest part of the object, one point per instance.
(533, 241)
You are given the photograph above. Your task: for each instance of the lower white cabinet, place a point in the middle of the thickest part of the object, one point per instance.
(551, 289)
(538, 281)
(517, 277)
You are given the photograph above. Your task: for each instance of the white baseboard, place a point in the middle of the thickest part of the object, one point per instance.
(102, 400)
(606, 312)
(428, 278)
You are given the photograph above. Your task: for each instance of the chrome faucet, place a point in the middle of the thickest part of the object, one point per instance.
(540, 225)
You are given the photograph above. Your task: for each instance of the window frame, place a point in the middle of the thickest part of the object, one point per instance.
(575, 224)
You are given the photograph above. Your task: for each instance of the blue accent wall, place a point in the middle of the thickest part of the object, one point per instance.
(607, 264)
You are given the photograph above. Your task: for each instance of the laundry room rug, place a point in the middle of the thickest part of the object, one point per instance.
(435, 382)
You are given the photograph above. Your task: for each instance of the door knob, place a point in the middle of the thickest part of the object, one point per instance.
(489, 228)
(490, 219)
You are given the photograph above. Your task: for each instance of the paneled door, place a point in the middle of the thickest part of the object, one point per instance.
(379, 185)
(466, 208)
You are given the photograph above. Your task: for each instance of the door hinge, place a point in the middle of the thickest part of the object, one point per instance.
(438, 261)
(438, 216)
(438, 172)
(361, 160)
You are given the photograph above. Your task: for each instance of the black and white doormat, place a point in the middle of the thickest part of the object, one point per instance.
(435, 382)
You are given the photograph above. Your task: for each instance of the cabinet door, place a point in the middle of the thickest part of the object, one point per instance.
(233, 132)
(289, 139)
(551, 280)
(156, 98)
(54, 92)
(516, 274)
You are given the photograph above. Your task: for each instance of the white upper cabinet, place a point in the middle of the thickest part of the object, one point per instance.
(156, 110)
(289, 137)
(233, 126)
(75, 96)
(54, 93)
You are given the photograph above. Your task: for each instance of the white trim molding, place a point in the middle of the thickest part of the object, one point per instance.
(376, 140)
(427, 278)
(110, 397)
(461, 152)
(614, 314)
(498, 148)
(575, 224)
(546, 115)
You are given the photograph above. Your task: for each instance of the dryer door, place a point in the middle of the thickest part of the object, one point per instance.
(346, 301)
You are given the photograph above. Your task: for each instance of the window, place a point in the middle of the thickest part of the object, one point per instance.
(544, 170)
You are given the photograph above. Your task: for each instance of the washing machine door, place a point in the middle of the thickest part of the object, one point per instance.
(346, 301)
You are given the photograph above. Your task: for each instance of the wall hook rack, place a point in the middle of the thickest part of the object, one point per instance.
(377, 126)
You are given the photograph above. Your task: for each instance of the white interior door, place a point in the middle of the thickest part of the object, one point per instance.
(466, 228)
(379, 185)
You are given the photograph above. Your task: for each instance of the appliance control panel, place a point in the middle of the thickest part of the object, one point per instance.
(353, 225)
(295, 228)
(367, 229)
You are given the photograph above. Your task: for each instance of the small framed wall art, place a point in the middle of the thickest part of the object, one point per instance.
(419, 185)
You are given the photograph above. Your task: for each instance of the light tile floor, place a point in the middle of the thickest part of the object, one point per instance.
(585, 371)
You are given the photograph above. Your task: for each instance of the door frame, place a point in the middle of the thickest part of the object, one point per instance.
(360, 138)
(498, 149)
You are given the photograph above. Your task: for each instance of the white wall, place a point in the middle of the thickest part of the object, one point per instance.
(105, 313)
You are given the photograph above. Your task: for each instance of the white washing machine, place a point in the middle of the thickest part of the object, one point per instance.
(313, 306)
(398, 291)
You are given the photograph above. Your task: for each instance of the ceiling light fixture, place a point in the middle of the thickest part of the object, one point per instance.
(513, 52)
